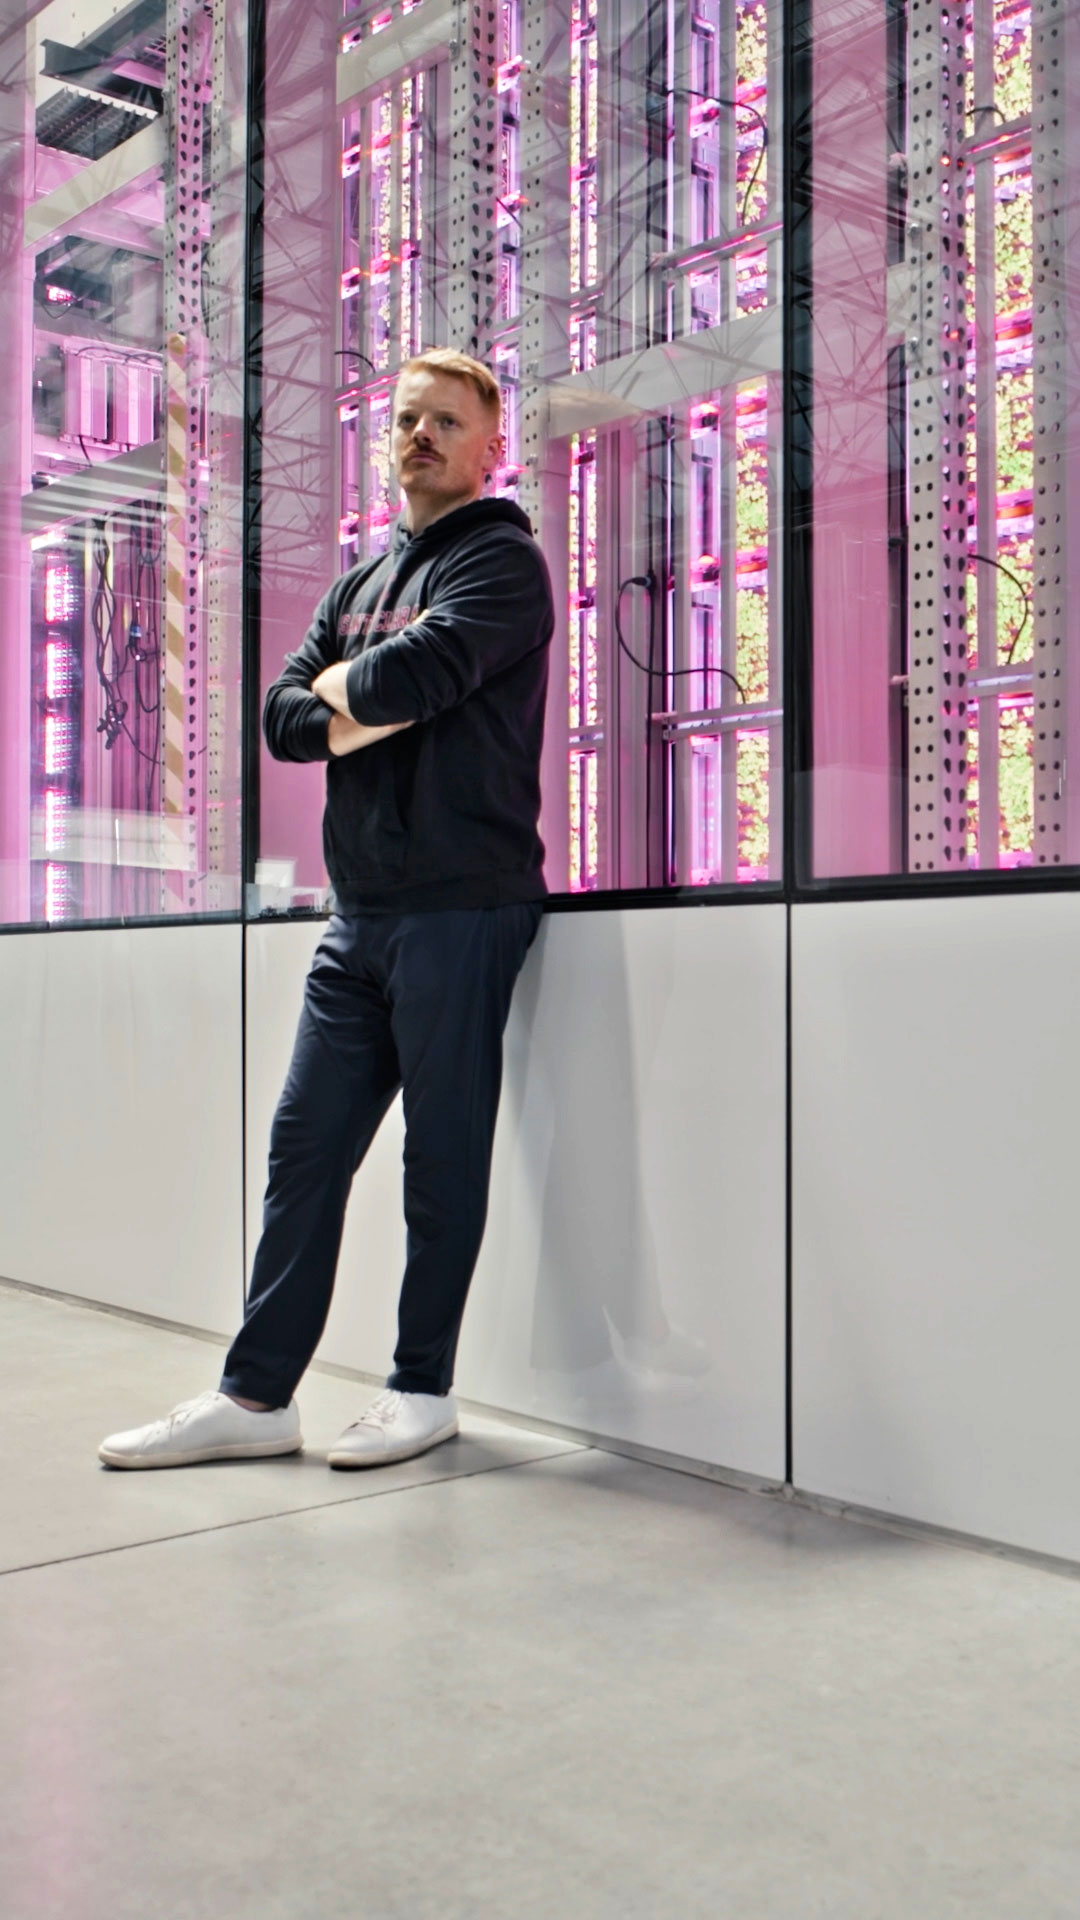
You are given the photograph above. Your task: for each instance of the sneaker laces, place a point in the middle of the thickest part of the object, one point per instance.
(187, 1407)
(382, 1411)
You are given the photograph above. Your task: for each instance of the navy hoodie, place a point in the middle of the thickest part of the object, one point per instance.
(450, 629)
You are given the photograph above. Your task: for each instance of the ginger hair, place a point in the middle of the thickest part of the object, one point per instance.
(461, 366)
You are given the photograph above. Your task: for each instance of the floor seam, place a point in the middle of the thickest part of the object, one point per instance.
(286, 1513)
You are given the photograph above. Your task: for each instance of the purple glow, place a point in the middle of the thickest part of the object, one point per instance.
(57, 670)
(506, 372)
(510, 198)
(57, 891)
(57, 744)
(56, 809)
(584, 145)
(59, 595)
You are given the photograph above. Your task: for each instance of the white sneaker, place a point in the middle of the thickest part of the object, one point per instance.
(210, 1427)
(395, 1427)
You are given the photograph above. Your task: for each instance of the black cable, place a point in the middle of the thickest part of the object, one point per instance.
(347, 353)
(149, 553)
(674, 673)
(757, 169)
(602, 312)
(111, 352)
(144, 642)
(736, 106)
(989, 561)
(102, 616)
(103, 619)
(648, 581)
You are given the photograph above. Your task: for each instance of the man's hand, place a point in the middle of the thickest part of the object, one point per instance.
(346, 736)
(329, 686)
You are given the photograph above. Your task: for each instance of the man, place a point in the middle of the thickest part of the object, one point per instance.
(422, 682)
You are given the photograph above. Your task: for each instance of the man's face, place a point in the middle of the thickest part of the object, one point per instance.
(443, 440)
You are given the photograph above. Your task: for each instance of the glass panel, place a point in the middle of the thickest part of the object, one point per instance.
(647, 459)
(355, 219)
(756, 843)
(678, 619)
(733, 665)
(946, 696)
(120, 513)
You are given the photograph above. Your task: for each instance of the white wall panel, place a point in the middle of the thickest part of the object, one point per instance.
(937, 1304)
(638, 1180)
(120, 1118)
(639, 1177)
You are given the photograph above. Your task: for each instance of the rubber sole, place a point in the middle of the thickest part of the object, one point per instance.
(351, 1461)
(266, 1450)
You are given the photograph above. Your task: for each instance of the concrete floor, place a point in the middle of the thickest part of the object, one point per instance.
(516, 1680)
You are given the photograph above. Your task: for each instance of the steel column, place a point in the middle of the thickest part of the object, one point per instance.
(224, 432)
(473, 144)
(543, 488)
(1056, 395)
(937, 362)
(189, 29)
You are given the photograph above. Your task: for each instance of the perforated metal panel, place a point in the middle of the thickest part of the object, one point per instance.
(938, 415)
(473, 161)
(545, 270)
(189, 30)
(544, 354)
(1049, 369)
(224, 521)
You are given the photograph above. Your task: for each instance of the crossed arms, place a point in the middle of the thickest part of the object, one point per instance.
(344, 734)
(492, 608)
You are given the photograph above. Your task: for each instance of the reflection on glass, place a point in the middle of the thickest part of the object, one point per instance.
(510, 199)
(944, 728)
(120, 541)
(584, 145)
(583, 683)
(659, 512)
(385, 167)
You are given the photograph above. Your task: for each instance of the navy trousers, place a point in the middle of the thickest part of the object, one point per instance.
(413, 1001)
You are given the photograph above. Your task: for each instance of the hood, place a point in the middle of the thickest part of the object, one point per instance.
(450, 526)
